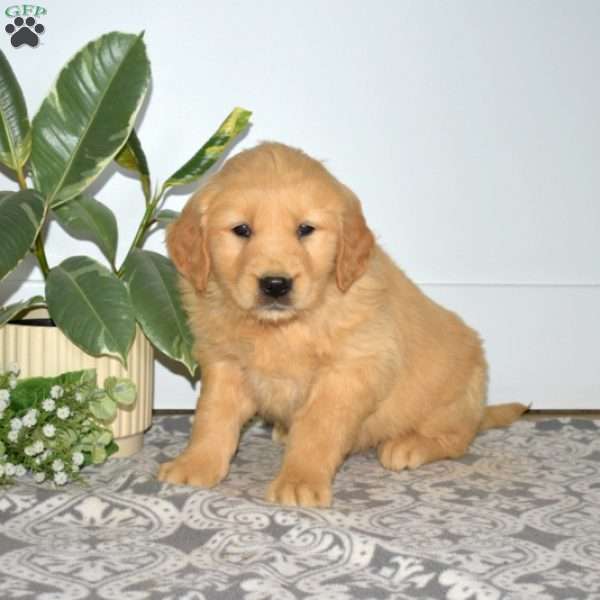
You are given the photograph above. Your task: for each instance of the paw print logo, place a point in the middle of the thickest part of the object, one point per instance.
(24, 31)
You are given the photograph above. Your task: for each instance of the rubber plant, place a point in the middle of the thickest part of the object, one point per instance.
(86, 121)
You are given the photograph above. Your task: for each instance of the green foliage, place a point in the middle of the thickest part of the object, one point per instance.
(86, 121)
(86, 218)
(121, 390)
(88, 115)
(52, 427)
(208, 155)
(91, 306)
(102, 406)
(167, 216)
(132, 157)
(21, 217)
(15, 132)
(152, 282)
(12, 311)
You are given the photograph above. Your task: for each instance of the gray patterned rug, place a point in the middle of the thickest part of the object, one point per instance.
(518, 517)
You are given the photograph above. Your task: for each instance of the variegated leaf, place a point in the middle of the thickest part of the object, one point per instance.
(21, 216)
(7, 313)
(86, 218)
(15, 132)
(91, 306)
(132, 157)
(152, 282)
(208, 155)
(88, 115)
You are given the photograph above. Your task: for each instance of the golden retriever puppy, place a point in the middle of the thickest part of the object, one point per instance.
(300, 317)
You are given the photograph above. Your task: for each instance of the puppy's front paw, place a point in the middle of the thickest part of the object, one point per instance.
(197, 469)
(299, 490)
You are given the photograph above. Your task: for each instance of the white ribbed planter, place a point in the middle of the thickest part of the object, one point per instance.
(46, 351)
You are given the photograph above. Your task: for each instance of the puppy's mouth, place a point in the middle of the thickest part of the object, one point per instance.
(277, 306)
(269, 309)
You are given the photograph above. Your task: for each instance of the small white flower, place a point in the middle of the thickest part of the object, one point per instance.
(37, 447)
(14, 368)
(60, 478)
(12, 382)
(30, 418)
(10, 469)
(58, 465)
(29, 451)
(79, 396)
(77, 458)
(49, 430)
(63, 412)
(56, 391)
(20, 471)
(38, 460)
(16, 424)
(13, 436)
(4, 397)
(48, 405)
(39, 477)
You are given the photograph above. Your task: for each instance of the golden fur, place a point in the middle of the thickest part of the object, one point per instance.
(359, 358)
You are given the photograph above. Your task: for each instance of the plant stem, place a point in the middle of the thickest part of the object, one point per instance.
(41, 255)
(39, 242)
(21, 178)
(146, 222)
(146, 188)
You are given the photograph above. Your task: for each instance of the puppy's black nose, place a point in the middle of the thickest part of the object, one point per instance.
(275, 287)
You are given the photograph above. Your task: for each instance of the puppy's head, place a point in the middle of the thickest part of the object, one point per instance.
(273, 229)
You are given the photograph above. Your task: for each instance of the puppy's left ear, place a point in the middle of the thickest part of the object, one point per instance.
(355, 244)
(187, 244)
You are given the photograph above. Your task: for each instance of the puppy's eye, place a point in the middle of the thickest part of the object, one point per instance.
(304, 229)
(242, 230)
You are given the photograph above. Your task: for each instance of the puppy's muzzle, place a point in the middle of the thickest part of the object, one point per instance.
(275, 287)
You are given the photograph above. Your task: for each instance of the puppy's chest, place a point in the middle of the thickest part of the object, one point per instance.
(279, 378)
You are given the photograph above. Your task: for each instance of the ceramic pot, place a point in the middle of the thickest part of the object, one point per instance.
(41, 349)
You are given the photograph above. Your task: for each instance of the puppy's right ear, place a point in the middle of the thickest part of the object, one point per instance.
(187, 246)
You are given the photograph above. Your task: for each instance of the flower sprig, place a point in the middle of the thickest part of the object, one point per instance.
(52, 427)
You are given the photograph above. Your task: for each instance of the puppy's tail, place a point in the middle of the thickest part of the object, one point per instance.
(501, 415)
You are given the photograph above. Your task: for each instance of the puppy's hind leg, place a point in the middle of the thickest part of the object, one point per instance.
(414, 449)
(445, 433)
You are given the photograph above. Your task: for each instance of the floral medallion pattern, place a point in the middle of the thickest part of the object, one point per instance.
(518, 517)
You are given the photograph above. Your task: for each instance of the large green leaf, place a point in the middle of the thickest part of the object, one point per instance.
(208, 155)
(88, 115)
(21, 216)
(91, 306)
(14, 310)
(86, 218)
(15, 133)
(132, 157)
(152, 282)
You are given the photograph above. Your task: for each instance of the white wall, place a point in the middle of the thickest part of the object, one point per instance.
(470, 129)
